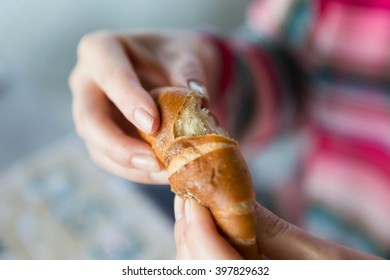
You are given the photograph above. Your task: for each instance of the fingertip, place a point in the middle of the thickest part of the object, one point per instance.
(145, 161)
(186, 71)
(198, 86)
(146, 117)
(206, 241)
(156, 121)
(159, 177)
(198, 215)
(143, 120)
(134, 102)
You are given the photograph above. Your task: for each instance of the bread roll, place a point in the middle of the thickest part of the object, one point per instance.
(205, 164)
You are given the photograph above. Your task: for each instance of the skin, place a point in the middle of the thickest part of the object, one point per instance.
(197, 237)
(110, 85)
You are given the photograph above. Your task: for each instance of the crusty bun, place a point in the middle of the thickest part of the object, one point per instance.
(205, 164)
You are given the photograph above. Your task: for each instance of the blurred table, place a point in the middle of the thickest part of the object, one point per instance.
(55, 204)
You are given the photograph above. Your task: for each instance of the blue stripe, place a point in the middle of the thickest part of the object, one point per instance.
(322, 222)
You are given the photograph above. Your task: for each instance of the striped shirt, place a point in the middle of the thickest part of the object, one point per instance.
(305, 88)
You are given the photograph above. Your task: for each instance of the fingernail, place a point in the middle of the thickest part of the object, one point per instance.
(187, 210)
(198, 87)
(178, 208)
(160, 177)
(145, 162)
(143, 120)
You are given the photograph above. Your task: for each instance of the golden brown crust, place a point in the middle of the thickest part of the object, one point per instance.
(187, 142)
(219, 180)
(205, 176)
(209, 168)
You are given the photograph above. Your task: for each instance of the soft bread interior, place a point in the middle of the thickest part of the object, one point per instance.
(193, 120)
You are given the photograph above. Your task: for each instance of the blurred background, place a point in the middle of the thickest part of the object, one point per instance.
(54, 203)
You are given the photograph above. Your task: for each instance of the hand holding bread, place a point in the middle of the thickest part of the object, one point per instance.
(110, 87)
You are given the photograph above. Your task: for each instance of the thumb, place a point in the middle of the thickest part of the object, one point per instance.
(278, 239)
(198, 234)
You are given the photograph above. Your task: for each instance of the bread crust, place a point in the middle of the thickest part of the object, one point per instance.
(208, 168)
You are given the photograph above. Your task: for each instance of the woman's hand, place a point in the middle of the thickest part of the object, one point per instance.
(110, 85)
(197, 237)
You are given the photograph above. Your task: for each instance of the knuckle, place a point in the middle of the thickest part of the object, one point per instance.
(72, 80)
(93, 156)
(98, 161)
(79, 118)
(91, 40)
(80, 130)
(275, 226)
(86, 43)
(85, 120)
(79, 126)
(189, 67)
(117, 150)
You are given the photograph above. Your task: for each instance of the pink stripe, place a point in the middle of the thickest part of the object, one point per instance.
(380, 4)
(353, 39)
(360, 149)
(370, 103)
(355, 112)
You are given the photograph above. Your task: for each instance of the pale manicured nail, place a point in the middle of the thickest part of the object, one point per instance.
(198, 87)
(160, 177)
(178, 208)
(145, 162)
(143, 120)
(187, 210)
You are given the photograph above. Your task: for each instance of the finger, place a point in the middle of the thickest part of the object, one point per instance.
(278, 239)
(128, 173)
(92, 112)
(106, 60)
(182, 252)
(183, 68)
(201, 235)
(178, 208)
